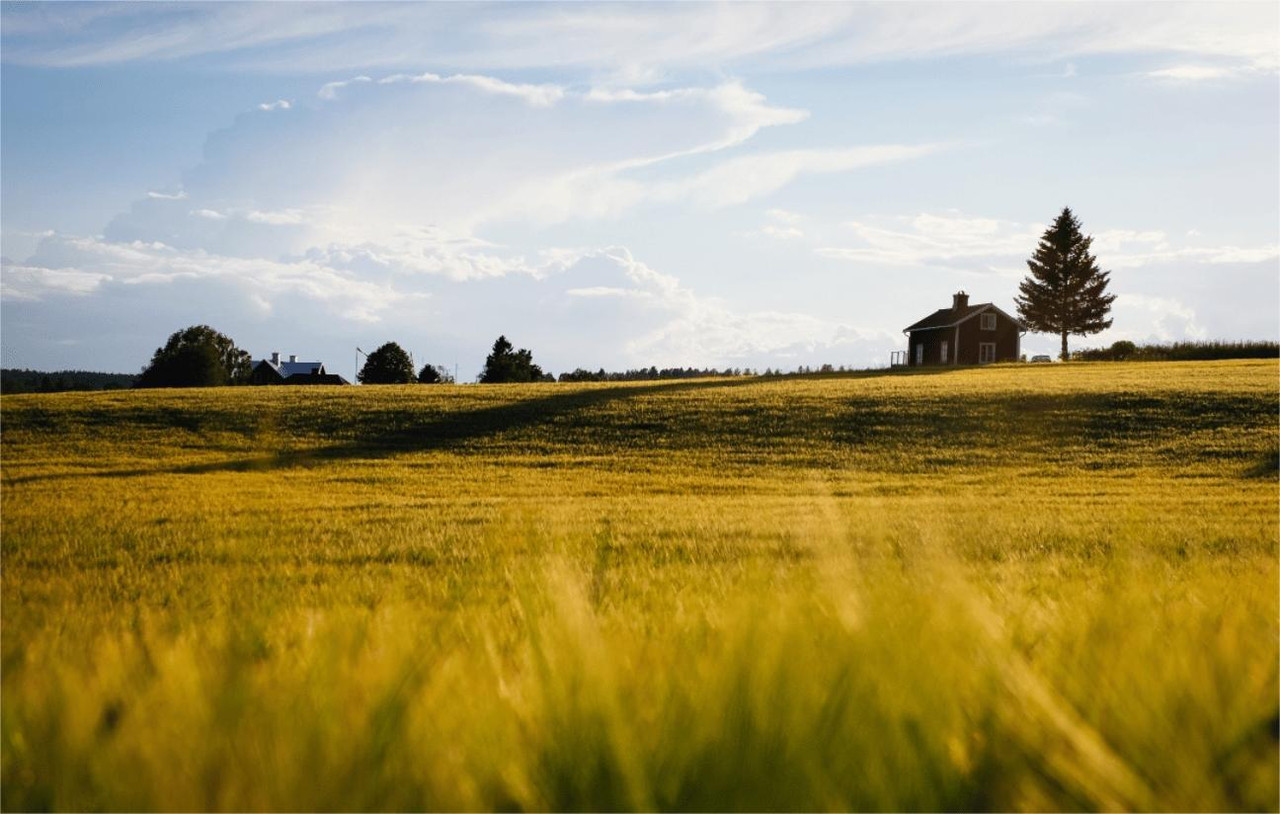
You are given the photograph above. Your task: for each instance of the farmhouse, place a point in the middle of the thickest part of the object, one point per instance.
(279, 371)
(964, 334)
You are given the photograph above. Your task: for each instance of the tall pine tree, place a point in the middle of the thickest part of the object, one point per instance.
(1066, 292)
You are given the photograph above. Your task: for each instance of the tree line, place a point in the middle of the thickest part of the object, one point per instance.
(1125, 351)
(21, 380)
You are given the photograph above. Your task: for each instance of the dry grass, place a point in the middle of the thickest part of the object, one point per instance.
(1009, 588)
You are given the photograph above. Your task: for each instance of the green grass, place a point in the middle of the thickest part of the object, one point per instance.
(1021, 587)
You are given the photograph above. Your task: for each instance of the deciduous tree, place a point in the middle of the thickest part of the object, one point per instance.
(389, 364)
(197, 356)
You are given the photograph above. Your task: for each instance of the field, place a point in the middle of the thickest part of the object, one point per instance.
(1017, 587)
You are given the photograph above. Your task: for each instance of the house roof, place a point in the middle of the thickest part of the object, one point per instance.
(287, 369)
(948, 317)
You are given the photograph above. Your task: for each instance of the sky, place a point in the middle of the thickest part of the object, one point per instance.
(611, 185)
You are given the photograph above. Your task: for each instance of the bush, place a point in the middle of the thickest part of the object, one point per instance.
(434, 374)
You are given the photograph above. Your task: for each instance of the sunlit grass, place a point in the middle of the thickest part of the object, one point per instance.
(1009, 588)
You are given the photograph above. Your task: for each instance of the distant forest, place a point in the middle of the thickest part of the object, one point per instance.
(1179, 352)
(14, 380)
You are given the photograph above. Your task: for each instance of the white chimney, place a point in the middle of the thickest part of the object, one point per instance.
(275, 358)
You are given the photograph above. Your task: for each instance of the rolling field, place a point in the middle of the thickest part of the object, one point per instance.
(1017, 587)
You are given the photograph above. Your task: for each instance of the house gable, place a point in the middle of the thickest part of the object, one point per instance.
(952, 336)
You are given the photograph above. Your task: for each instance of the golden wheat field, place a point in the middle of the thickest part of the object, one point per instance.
(1016, 587)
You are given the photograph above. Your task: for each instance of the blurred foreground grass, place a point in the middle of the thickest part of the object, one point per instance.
(1008, 588)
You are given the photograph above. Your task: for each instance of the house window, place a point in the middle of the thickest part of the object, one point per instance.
(920, 354)
(986, 352)
(943, 356)
(988, 322)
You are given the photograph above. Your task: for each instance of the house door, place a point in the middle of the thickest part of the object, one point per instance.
(944, 358)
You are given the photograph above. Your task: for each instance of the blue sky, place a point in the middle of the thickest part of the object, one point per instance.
(616, 185)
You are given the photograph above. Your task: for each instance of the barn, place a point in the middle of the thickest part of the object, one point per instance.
(964, 334)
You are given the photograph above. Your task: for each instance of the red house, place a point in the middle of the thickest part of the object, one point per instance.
(964, 334)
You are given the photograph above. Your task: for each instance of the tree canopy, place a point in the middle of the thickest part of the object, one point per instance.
(506, 364)
(1066, 292)
(197, 356)
(434, 374)
(389, 364)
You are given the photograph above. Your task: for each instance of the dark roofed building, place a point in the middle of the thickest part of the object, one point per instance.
(964, 334)
(279, 371)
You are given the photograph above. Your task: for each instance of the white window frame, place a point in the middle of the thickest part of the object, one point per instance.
(919, 353)
(942, 357)
(988, 322)
(985, 357)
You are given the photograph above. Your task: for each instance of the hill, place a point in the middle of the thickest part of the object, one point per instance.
(1001, 588)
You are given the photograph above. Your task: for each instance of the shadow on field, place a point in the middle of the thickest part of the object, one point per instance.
(903, 432)
(385, 433)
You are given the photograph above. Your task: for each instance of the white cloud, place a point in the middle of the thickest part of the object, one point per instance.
(287, 217)
(279, 104)
(674, 325)
(742, 179)
(962, 243)
(781, 232)
(330, 89)
(30, 283)
(81, 265)
(607, 291)
(1193, 73)
(168, 196)
(208, 214)
(950, 240)
(536, 95)
(631, 42)
(1154, 319)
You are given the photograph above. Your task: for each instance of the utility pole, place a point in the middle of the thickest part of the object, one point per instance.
(356, 378)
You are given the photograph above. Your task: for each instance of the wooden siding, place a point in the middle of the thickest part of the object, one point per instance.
(963, 341)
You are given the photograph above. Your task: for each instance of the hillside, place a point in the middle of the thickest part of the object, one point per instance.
(1017, 587)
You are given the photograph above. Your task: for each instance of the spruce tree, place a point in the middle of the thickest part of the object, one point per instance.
(1066, 292)
(506, 364)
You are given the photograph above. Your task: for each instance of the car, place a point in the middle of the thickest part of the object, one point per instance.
(1040, 357)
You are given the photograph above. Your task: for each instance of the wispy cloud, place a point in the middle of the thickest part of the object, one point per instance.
(1194, 73)
(746, 178)
(330, 89)
(627, 40)
(279, 104)
(538, 95)
(972, 244)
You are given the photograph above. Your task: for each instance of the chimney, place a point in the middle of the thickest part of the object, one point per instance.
(293, 357)
(275, 358)
(959, 301)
